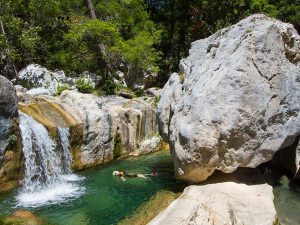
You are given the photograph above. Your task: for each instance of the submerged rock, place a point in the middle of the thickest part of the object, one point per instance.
(235, 101)
(22, 217)
(147, 211)
(220, 204)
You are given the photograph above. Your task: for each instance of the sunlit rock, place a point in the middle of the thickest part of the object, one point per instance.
(235, 101)
(220, 204)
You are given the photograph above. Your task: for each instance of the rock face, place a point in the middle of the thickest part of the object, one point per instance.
(101, 128)
(221, 204)
(113, 126)
(8, 110)
(10, 149)
(235, 101)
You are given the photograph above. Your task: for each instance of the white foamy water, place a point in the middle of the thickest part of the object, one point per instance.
(48, 176)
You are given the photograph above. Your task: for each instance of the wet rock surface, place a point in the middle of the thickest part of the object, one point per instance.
(8, 110)
(10, 151)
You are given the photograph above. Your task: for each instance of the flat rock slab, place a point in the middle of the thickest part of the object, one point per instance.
(221, 204)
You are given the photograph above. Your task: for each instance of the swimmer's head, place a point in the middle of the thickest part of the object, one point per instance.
(116, 173)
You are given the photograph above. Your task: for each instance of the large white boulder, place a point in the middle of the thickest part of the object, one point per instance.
(36, 76)
(235, 101)
(221, 204)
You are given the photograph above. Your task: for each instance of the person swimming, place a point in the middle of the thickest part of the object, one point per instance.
(123, 174)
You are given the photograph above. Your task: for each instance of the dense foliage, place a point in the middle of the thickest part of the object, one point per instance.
(60, 35)
(185, 21)
(133, 36)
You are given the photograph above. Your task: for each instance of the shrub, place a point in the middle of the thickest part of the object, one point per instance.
(139, 92)
(155, 101)
(109, 87)
(61, 88)
(12, 141)
(117, 146)
(84, 86)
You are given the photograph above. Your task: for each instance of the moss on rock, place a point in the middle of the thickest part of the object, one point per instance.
(11, 167)
(117, 151)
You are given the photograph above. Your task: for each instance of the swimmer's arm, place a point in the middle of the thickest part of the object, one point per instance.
(142, 176)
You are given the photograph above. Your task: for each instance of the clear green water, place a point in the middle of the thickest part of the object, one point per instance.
(287, 201)
(108, 199)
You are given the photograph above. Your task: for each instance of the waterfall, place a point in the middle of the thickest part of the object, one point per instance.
(48, 177)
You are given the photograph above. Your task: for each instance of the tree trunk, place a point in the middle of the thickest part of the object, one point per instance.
(101, 46)
(8, 50)
(90, 6)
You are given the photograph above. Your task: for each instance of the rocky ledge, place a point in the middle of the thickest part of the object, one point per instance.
(221, 204)
(101, 128)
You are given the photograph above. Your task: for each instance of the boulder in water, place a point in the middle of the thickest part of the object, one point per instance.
(235, 101)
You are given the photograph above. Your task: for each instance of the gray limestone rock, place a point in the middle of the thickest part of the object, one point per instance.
(36, 76)
(108, 120)
(8, 111)
(235, 101)
(150, 145)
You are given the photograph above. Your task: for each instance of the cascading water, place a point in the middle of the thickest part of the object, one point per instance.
(48, 177)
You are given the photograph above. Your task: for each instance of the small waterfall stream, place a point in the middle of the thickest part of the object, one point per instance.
(48, 177)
